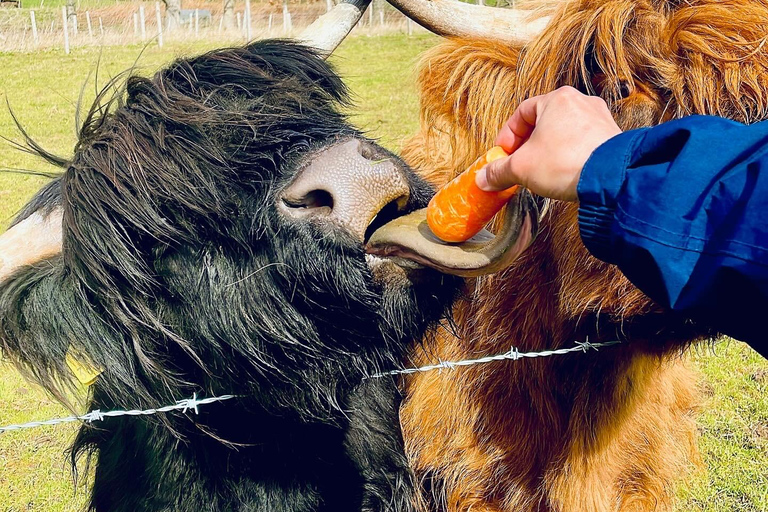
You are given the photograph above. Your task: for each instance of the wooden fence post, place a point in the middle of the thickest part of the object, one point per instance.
(142, 23)
(159, 25)
(101, 27)
(248, 20)
(66, 30)
(88, 22)
(286, 18)
(197, 23)
(34, 26)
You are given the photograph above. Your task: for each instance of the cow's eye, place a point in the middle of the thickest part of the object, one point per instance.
(625, 89)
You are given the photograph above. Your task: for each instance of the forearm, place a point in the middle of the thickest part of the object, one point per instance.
(679, 209)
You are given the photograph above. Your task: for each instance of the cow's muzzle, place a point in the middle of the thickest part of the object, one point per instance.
(348, 185)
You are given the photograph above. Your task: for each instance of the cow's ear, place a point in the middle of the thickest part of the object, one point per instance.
(35, 238)
(721, 64)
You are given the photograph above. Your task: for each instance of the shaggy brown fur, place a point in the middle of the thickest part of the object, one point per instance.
(611, 430)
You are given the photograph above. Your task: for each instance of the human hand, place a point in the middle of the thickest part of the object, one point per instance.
(550, 138)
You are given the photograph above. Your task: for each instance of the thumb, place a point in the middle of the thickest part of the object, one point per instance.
(497, 175)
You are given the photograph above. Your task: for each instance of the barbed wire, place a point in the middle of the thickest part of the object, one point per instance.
(513, 355)
(96, 415)
(192, 403)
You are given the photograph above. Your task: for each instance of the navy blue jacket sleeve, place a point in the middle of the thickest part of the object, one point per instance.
(682, 210)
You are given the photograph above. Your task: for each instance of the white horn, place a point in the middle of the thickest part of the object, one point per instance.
(450, 18)
(34, 239)
(329, 30)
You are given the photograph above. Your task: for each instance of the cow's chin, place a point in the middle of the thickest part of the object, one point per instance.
(414, 298)
(400, 275)
(395, 271)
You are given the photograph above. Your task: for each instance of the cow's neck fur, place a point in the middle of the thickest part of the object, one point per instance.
(246, 454)
(234, 457)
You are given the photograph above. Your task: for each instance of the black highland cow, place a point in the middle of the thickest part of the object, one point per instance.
(212, 242)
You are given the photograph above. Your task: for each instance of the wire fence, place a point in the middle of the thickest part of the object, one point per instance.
(192, 404)
(31, 29)
(513, 355)
(188, 404)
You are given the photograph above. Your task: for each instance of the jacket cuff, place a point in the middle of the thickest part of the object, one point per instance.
(601, 181)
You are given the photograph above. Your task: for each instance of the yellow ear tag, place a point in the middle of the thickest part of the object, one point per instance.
(83, 369)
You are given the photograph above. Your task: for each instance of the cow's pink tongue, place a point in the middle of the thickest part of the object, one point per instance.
(409, 237)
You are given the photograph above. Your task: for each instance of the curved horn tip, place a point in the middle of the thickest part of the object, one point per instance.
(327, 32)
(449, 18)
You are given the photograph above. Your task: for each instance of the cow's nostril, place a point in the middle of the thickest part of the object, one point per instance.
(391, 211)
(318, 201)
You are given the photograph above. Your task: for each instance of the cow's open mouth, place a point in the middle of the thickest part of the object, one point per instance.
(409, 238)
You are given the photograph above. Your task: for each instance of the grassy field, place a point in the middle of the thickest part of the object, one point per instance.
(43, 89)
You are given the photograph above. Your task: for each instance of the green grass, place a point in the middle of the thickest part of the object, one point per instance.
(43, 89)
(734, 432)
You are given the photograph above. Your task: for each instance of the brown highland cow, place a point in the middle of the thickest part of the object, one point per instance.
(611, 430)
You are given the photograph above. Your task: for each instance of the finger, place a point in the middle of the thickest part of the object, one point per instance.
(520, 125)
(497, 175)
(598, 103)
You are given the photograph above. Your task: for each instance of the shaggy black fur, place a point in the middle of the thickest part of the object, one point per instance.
(180, 275)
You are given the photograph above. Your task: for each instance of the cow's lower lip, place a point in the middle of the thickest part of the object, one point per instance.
(373, 260)
(410, 238)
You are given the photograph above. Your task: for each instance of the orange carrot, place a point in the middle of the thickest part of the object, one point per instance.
(460, 209)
